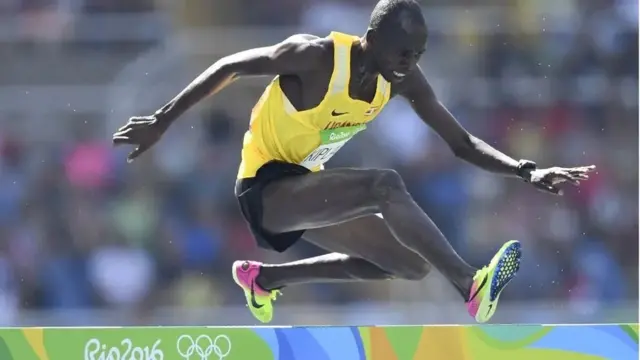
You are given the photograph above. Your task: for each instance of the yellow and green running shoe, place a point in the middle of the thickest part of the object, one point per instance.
(259, 301)
(489, 281)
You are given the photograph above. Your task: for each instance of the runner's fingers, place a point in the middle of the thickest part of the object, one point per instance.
(582, 169)
(134, 123)
(122, 132)
(120, 140)
(139, 121)
(570, 178)
(576, 172)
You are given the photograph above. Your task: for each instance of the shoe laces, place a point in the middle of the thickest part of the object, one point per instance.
(274, 294)
(480, 273)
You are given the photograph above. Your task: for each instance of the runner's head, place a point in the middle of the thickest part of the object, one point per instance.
(397, 37)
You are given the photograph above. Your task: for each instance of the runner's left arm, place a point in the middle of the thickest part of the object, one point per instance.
(417, 90)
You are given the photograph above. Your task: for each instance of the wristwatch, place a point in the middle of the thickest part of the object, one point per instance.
(524, 169)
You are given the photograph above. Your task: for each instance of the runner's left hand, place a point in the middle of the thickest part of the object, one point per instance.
(548, 179)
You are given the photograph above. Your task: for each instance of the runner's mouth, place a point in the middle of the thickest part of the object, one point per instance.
(398, 74)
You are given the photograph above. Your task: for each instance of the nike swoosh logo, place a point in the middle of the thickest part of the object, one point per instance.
(490, 307)
(335, 113)
(253, 297)
(482, 284)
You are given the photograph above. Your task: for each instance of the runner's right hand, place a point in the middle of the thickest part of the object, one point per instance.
(141, 132)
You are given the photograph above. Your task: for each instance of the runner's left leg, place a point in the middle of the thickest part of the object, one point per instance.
(351, 242)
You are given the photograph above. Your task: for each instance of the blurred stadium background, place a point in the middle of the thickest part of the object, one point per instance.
(88, 240)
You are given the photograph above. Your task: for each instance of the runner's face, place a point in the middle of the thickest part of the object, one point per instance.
(397, 51)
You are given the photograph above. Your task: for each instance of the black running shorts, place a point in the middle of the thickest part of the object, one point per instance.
(249, 194)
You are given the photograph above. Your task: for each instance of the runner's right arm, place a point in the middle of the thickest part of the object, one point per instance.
(294, 55)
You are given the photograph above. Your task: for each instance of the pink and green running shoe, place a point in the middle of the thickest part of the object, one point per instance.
(259, 301)
(489, 281)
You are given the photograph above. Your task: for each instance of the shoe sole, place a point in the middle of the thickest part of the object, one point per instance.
(506, 267)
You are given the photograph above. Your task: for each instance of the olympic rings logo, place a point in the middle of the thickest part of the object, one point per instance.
(203, 347)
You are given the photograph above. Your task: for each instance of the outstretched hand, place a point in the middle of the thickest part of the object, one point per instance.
(140, 131)
(548, 179)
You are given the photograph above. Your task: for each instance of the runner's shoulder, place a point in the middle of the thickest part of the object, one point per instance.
(315, 51)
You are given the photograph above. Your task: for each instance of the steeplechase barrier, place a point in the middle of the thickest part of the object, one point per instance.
(494, 342)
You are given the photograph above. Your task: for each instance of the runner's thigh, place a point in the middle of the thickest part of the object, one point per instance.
(320, 199)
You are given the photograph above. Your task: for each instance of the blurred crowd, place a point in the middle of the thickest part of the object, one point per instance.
(555, 82)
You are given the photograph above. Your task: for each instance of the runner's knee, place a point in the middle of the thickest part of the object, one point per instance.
(387, 184)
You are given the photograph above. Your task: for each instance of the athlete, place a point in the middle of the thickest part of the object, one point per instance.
(325, 91)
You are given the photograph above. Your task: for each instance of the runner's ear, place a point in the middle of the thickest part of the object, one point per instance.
(369, 36)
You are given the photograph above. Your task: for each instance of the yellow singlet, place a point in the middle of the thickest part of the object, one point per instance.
(278, 131)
